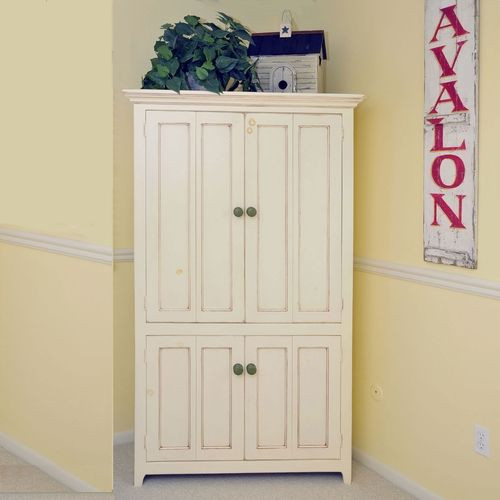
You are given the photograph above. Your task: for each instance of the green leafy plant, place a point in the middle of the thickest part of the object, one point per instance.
(192, 53)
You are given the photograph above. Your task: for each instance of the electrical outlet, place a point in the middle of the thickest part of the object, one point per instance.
(482, 440)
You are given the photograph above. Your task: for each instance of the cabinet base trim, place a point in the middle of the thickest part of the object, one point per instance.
(246, 466)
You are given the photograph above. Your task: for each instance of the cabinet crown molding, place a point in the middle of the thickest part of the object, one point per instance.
(244, 99)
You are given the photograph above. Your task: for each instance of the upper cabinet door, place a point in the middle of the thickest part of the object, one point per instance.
(268, 189)
(317, 213)
(170, 216)
(220, 189)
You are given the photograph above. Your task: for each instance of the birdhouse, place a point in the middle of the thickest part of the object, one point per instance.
(292, 64)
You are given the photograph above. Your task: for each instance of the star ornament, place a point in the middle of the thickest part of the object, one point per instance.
(285, 30)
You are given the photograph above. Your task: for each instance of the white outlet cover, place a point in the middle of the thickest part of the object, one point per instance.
(482, 440)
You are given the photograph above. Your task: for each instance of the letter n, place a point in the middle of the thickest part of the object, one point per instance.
(456, 221)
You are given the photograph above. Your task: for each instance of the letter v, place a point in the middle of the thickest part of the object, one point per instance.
(446, 68)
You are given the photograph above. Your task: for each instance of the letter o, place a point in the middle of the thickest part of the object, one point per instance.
(459, 171)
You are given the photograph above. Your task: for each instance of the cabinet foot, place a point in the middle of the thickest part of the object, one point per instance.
(138, 479)
(347, 476)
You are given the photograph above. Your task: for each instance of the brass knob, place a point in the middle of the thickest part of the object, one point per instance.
(251, 369)
(251, 212)
(238, 369)
(238, 211)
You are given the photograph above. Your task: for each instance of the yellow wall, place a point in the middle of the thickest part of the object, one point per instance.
(57, 115)
(432, 351)
(379, 50)
(56, 390)
(57, 178)
(123, 366)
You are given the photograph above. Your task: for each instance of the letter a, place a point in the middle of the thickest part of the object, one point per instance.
(449, 88)
(449, 13)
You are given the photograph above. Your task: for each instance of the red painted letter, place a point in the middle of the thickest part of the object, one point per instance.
(450, 14)
(438, 137)
(449, 88)
(459, 171)
(446, 68)
(456, 222)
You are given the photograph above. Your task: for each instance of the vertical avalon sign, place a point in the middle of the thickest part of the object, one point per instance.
(450, 132)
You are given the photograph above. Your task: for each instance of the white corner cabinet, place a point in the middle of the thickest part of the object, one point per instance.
(243, 282)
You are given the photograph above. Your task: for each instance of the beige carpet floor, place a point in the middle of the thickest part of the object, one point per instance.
(366, 486)
(18, 476)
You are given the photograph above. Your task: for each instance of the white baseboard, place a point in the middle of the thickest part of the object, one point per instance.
(123, 437)
(394, 476)
(44, 464)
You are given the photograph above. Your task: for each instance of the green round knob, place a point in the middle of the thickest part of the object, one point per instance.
(238, 211)
(238, 369)
(251, 369)
(251, 212)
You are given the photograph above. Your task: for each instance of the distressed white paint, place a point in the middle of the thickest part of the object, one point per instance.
(444, 243)
(268, 188)
(225, 409)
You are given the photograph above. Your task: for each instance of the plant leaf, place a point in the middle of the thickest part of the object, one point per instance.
(201, 73)
(184, 29)
(244, 35)
(192, 20)
(218, 33)
(173, 65)
(208, 65)
(208, 39)
(164, 52)
(155, 78)
(225, 64)
(162, 70)
(213, 85)
(170, 36)
(174, 83)
(209, 53)
(167, 26)
(197, 55)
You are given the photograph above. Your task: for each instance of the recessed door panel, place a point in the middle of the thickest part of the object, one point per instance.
(268, 398)
(317, 218)
(170, 398)
(220, 189)
(220, 398)
(316, 397)
(268, 188)
(170, 216)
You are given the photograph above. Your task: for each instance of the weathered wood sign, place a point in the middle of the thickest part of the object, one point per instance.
(450, 132)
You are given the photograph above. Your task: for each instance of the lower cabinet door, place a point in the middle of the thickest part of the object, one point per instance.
(220, 398)
(268, 398)
(170, 398)
(316, 397)
(235, 398)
